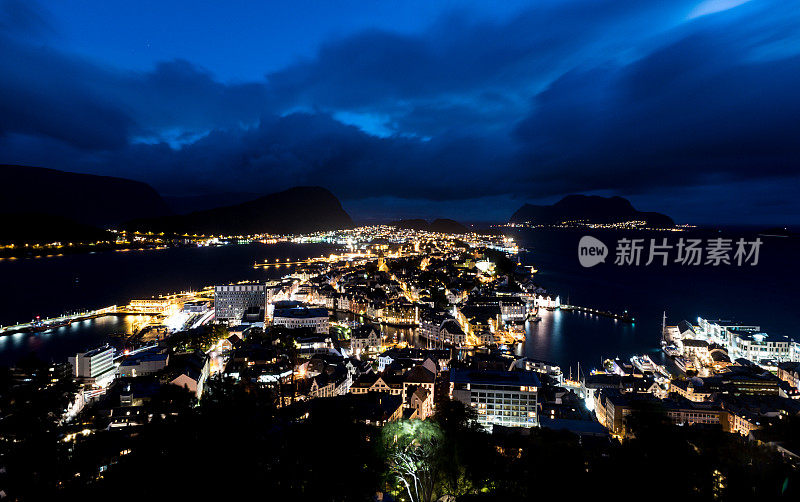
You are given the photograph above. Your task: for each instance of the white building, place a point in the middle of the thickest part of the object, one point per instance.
(365, 337)
(548, 302)
(95, 367)
(746, 341)
(315, 318)
(507, 398)
(758, 346)
(721, 332)
(513, 309)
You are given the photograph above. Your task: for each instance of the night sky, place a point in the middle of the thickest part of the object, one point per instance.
(418, 108)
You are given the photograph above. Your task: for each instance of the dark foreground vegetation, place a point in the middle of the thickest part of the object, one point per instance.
(236, 444)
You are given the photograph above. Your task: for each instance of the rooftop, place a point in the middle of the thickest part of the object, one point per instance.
(495, 377)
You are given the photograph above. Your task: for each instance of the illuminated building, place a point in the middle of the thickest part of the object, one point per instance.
(365, 337)
(790, 372)
(507, 398)
(315, 318)
(233, 301)
(95, 367)
(613, 407)
(144, 363)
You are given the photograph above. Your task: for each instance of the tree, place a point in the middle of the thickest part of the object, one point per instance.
(413, 453)
(466, 446)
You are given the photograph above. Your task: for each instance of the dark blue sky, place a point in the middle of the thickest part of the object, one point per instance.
(418, 108)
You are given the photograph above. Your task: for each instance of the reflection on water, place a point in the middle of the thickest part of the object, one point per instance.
(563, 338)
(567, 338)
(86, 281)
(59, 343)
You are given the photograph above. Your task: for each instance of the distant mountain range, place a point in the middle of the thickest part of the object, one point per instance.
(588, 208)
(83, 198)
(185, 204)
(40, 204)
(43, 228)
(441, 225)
(45, 205)
(297, 210)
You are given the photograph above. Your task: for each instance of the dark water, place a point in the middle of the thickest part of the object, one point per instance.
(53, 286)
(765, 294)
(59, 343)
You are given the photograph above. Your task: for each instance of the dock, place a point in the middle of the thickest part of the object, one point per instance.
(624, 317)
(55, 322)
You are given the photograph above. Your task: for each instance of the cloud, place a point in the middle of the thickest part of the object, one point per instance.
(580, 96)
(696, 111)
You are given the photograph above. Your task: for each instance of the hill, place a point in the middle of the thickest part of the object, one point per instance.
(590, 209)
(84, 198)
(45, 228)
(186, 204)
(441, 225)
(297, 210)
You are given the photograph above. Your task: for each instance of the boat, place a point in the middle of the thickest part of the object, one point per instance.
(670, 350)
(684, 364)
(39, 326)
(644, 364)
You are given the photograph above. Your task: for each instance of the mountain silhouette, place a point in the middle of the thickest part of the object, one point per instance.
(441, 225)
(84, 198)
(589, 209)
(296, 210)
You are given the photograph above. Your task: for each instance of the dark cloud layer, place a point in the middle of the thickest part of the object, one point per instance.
(580, 96)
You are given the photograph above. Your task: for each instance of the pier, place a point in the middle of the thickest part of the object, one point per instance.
(624, 317)
(55, 322)
(49, 323)
(267, 264)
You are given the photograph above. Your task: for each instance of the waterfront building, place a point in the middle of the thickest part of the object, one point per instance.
(438, 327)
(233, 301)
(507, 398)
(365, 337)
(613, 407)
(745, 341)
(542, 367)
(721, 331)
(512, 308)
(315, 318)
(758, 346)
(694, 348)
(166, 306)
(95, 367)
(475, 319)
(547, 301)
(451, 332)
(400, 313)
